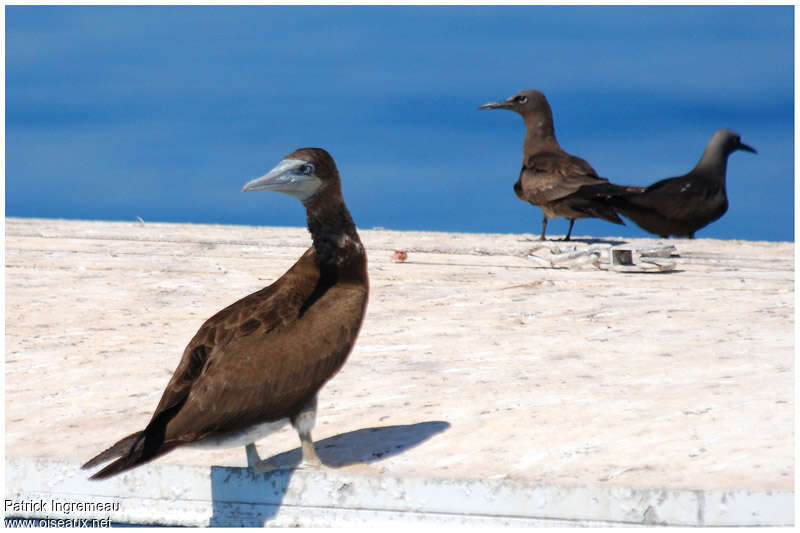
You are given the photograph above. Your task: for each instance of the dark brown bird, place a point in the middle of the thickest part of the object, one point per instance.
(259, 363)
(561, 184)
(681, 206)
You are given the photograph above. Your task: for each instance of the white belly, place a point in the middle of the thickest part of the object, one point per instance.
(240, 438)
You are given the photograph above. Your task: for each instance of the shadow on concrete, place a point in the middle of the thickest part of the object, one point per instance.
(659, 272)
(590, 240)
(242, 497)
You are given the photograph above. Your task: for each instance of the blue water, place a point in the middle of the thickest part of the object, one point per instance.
(164, 113)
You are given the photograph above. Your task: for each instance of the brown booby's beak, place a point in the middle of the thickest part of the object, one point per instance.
(294, 177)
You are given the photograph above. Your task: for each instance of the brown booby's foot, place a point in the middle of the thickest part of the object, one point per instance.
(310, 457)
(265, 465)
(269, 465)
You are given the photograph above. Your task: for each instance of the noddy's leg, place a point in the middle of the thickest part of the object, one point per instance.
(544, 227)
(304, 423)
(571, 223)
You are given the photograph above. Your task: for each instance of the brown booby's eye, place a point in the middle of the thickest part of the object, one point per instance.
(307, 169)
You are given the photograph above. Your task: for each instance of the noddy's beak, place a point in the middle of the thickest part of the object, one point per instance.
(287, 177)
(742, 146)
(505, 104)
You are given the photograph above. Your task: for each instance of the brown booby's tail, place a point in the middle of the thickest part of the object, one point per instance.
(122, 447)
(134, 450)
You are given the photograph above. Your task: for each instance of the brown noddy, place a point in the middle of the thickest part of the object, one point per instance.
(562, 185)
(682, 205)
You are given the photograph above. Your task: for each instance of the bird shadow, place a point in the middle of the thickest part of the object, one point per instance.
(592, 240)
(660, 272)
(243, 497)
(589, 240)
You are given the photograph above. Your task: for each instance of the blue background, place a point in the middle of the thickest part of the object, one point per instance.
(165, 112)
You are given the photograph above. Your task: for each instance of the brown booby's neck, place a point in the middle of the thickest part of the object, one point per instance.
(333, 231)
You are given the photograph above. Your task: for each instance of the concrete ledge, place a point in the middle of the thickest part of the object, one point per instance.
(484, 389)
(224, 496)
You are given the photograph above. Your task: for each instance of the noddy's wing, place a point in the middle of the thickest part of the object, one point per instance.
(680, 198)
(550, 176)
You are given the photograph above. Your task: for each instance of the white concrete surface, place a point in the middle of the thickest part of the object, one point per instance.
(475, 365)
(200, 496)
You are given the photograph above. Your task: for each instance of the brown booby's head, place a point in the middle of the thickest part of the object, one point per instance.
(524, 102)
(302, 174)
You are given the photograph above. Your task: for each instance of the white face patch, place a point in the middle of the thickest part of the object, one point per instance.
(294, 177)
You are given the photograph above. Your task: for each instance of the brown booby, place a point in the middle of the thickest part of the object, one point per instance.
(259, 363)
(680, 206)
(562, 185)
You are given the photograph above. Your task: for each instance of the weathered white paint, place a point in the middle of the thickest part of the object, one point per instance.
(200, 496)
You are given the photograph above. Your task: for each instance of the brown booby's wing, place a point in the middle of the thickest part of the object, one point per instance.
(207, 356)
(550, 176)
(212, 341)
(262, 358)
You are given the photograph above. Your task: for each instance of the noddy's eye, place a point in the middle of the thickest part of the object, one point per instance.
(307, 169)
(521, 99)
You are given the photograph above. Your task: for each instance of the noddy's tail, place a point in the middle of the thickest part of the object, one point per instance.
(600, 200)
(610, 189)
(607, 213)
(631, 202)
(596, 207)
(613, 198)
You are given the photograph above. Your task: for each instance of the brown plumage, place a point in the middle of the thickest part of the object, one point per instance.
(562, 185)
(680, 206)
(261, 361)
